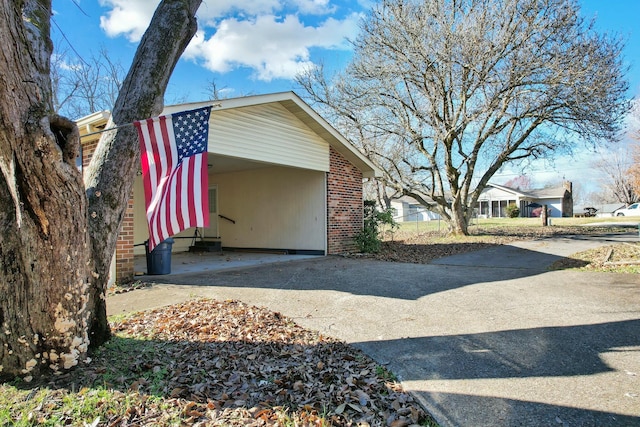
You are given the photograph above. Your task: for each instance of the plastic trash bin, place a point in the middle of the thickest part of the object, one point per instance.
(159, 259)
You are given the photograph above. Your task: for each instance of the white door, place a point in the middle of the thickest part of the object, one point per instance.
(212, 231)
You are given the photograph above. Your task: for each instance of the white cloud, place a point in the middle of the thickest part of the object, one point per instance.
(214, 10)
(314, 6)
(129, 18)
(254, 34)
(273, 48)
(632, 121)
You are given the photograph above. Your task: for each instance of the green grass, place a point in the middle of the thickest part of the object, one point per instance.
(48, 407)
(441, 226)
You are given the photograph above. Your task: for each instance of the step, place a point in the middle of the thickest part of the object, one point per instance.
(206, 246)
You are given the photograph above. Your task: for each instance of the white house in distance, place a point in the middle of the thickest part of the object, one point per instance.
(495, 198)
(280, 178)
(407, 209)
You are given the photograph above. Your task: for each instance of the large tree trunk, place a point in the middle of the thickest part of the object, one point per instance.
(110, 175)
(44, 246)
(459, 220)
(56, 243)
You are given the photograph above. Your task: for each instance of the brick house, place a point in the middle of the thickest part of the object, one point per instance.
(280, 178)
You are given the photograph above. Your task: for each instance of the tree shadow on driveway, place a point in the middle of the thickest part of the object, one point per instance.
(362, 276)
(441, 367)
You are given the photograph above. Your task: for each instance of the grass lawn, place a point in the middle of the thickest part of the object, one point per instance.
(493, 223)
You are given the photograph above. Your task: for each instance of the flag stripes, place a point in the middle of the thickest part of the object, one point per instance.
(174, 172)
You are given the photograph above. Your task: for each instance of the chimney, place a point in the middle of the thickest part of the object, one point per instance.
(568, 186)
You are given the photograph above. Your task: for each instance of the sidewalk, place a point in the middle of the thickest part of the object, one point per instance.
(489, 338)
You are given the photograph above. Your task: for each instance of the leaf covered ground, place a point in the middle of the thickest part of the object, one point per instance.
(207, 362)
(422, 248)
(618, 258)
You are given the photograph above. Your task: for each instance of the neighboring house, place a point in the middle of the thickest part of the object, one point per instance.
(495, 198)
(408, 209)
(280, 178)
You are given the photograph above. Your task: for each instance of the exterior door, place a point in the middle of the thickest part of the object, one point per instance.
(212, 231)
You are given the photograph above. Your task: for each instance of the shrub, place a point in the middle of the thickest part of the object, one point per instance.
(368, 240)
(513, 211)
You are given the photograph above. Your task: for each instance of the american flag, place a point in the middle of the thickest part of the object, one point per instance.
(174, 172)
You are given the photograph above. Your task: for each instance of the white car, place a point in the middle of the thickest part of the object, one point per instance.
(631, 210)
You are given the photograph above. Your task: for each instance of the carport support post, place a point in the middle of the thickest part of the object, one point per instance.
(544, 216)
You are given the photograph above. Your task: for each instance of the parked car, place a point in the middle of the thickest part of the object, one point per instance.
(631, 210)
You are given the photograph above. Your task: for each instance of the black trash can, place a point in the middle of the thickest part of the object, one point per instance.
(159, 259)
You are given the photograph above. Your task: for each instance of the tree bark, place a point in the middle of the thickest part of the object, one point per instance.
(110, 175)
(459, 222)
(44, 248)
(58, 234)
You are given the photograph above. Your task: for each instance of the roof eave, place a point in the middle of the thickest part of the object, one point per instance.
(292, 102)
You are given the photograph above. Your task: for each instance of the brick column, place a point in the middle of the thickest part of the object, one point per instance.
(344, 204)
(124, 244)
(124, 247)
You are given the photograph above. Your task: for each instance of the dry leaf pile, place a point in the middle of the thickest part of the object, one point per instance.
(228, 363)
(621, 257)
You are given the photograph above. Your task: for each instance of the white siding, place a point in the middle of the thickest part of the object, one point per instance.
(555, 207)
(140, 227)
(491, 193)
(267, 133)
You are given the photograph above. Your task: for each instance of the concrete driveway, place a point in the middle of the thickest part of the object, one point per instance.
(489, 338)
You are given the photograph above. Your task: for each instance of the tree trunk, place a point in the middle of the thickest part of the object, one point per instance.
(459, 221)
(110, 175)
(44, 248)
(57, 238)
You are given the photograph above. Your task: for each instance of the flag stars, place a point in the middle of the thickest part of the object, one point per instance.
(191, 129)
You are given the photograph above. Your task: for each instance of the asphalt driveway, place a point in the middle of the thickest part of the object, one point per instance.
(490, 338)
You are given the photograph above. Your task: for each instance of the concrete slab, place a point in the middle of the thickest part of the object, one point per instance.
(191, 262)
(489, 338)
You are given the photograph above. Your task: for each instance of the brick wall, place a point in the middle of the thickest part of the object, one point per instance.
(88, 148)
(344, 204)
(124, 244)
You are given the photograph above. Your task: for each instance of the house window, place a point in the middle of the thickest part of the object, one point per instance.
(484, 209)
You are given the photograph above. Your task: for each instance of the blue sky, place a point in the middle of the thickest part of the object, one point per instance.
(257, 46)
(246, 46)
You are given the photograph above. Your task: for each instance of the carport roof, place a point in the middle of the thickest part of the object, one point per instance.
(292, 102)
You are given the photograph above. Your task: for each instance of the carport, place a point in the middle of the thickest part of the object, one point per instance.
(281, 179)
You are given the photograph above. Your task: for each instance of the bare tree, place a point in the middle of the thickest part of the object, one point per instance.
(84, 86)
(521, 182)
(374, 189)
(213, 91)
(441, 94)
(618, 182)
(58, 233)
(634, 170)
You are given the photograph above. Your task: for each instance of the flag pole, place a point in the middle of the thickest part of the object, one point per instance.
(217, 104)
(107, 130)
